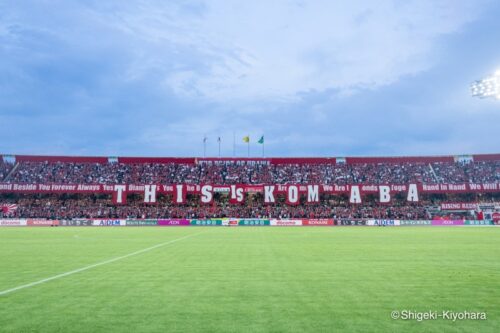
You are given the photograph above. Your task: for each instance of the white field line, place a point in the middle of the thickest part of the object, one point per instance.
(8, 291)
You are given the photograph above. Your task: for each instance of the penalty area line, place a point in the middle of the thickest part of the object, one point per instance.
(109, 261)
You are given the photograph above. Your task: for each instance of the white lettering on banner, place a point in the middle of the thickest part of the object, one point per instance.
(43, 187)
(206, 194)
(398, 188)
(475, 186)
(293, 194)
(88, 188)
(458, 206)
(179, 198)
(233, 192)
(312, 193)
(340, 188)
(327, 188)
(236, 193)
(109, 188)
(412, 193)
(167, 188)
(56, 187)
(5, 187)
(355, 196)
(429, 187)
(150, 193)
(369, 188)
(451, 206)
(454, 187)
(384, 192)
(269, 194)
(490, 186)
(25, 187)
(136, 188)
(119, 189)
(282, 188)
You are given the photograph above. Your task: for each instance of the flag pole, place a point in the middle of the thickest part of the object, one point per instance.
(219, 146)
(234, 144)
(204, 146)
(263, 149)
(248, 146)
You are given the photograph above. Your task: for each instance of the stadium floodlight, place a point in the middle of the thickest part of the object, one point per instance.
(487, 87)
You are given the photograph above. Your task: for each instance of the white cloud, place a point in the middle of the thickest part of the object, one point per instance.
(233, 64)
(263, 49)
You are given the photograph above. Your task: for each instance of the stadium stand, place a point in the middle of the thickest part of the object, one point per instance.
(227, 171)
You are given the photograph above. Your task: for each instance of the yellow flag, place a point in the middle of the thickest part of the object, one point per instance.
(246, 139)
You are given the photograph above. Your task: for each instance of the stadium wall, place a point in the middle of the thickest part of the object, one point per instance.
(245, 222)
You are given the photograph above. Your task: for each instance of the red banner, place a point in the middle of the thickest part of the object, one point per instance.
(293, 193)
(458, 206)
(317, 222)
(331, 189)
(496, 217)
(43, 223)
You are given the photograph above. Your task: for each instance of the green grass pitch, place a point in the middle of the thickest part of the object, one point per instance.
(249, 279)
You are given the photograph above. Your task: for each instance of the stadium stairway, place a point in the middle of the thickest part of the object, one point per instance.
(434, 173)
(11, 172)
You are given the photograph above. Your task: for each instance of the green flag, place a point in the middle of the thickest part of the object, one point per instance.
(261, 140)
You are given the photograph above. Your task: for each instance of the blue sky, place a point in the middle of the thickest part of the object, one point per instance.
(317, 78)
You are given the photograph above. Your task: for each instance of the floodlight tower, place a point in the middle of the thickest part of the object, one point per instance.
(487, 87)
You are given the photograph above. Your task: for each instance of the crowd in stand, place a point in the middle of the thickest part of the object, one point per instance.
(232, 173)
(101, 206)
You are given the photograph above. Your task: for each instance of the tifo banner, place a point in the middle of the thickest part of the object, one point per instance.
(43, 223)
(173, 222)
(447, 222)
(211, 222)
(141, 222)
(478, 222)
(286, 223)
(383, 222)
(252, 222)
(318, 222)
(12, 222)
(109, 222)
(311, 193)
(415, 222)
(458, 206)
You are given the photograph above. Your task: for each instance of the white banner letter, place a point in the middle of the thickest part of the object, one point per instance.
(355, 195)
(119, 189)
(412, 193)
(312, 193)
(206, 194)
(384, 193)
(269, 194)
(150, 193)
(293, 194)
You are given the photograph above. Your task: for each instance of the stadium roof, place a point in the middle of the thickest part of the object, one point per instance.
(271, 160)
